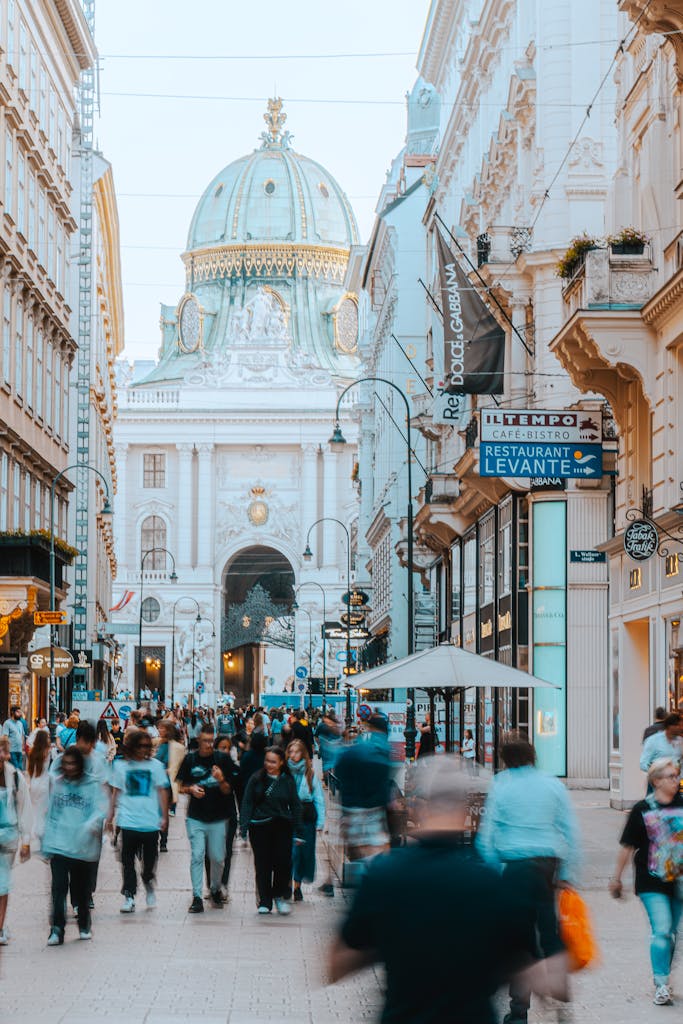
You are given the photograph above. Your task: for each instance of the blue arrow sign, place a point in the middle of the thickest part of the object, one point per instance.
(301, 672)
(540, 460)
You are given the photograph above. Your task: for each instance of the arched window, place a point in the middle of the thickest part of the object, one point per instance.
(153, 535)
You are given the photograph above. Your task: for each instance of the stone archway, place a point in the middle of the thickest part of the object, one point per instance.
(256, 630)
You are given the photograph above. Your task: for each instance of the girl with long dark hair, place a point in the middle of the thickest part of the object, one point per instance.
(271, 814)
(310, 792)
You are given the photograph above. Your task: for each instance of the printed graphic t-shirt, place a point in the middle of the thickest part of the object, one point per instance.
(138, 783)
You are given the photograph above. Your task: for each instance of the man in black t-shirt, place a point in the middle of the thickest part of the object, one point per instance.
(461, 925)
(207, 776)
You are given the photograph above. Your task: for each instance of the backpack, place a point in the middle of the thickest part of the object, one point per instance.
(664, 826)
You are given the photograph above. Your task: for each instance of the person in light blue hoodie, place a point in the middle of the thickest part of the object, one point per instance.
(72, 839)
(310, 793)
(529, 830)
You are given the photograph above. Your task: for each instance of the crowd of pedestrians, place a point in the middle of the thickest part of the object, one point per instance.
(243, 771)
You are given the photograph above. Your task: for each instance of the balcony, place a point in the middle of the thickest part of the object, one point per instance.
(606, 344)
(605, 280)
(28, 555)
(502, 244)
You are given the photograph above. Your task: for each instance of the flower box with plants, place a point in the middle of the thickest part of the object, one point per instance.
(27, 553)
(628, 242)
(575, 255)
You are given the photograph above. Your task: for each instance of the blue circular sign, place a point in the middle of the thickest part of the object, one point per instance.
(301, 687)
(301, 672)
(124, 712)
(199, 687)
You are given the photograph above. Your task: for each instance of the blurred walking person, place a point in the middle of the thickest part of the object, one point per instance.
(13, 729)
(139, 805)
(205, 776)
(171, 753)
(363, 772)
(665, 742)
(529, 828)
(38, 775)
(271, 814)
(16, 822)
(651, 839)
(312, 800)
(76, 809)
(472, 935)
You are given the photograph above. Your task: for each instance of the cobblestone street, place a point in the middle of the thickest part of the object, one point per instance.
(230, 966)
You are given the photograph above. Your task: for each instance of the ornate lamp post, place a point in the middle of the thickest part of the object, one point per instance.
(336, 441)
(185, 597)
(106, 515)
(174, 579)
(307, 556)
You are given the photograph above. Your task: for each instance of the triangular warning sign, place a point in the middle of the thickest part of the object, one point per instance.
(109, 713)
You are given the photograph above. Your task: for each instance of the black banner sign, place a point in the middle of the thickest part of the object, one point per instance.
(474, 341)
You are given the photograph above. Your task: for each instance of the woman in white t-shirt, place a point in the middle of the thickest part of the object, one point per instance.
(38, 774)
(468, 750)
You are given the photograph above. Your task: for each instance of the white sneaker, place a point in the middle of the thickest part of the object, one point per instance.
(263, 910)
(151, 896)
(4, 936)
(85, 934)
(55, 938)
(283, 907)
(663, 996)
(128, 905)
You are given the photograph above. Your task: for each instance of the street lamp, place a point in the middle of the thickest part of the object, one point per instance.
(307, 556)
(336, 442)
(174, 579)
(106, 515)
(313, 583)
(185, 597)
(310, 649)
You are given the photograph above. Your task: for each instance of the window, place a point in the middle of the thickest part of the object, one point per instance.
(153, 536)
(154, 470)
(58, 394)
(470, 575)
(455, 581)
(60, 136)
(48, 384)
(42, 99)
(23, 57)
(27, 500)
(19, 350)
(29, 361)
(37, 506)
(487, 558)
(59, 276)
(21, 192)
(16, 498)
(11, 20)
(4, 488)
(31, 236)
(151, 609)
(33, 85)
(39, 373)
(505, 549)
(6, 334)
(50, 243)
(52, 127)
(42, 227)
(9, 171)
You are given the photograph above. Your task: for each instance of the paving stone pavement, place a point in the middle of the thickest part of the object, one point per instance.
(164, 966)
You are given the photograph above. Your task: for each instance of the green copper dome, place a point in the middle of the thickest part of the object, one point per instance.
(274, 195)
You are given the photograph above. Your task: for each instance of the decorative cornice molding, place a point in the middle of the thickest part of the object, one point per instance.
(272, 260)
(664, 301)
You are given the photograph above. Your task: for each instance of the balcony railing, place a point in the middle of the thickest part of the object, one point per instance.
(150, 398)
(604, 280)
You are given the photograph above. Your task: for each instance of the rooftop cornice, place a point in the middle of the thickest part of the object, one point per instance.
(76, 27)
(270, 259)
(439, 30)
(660, 16)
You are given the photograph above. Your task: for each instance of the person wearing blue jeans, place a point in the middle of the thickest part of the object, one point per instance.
(649, 840)
(205, 775)
(13, 729)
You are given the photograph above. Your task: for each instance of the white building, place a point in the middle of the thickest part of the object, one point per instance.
(221, 447)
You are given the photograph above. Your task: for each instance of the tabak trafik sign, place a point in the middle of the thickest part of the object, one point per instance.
(641, 540)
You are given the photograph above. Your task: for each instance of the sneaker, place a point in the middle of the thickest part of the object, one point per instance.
(263, 910)
(197, 906)
(283, 907)
(4, 936)
(298, 896)
(128, 905)
(663, 996)
(91, 903)
(163, 848)
(327, 889)
(85, 934)
(55, 938)
(216, 899)
(151, 897)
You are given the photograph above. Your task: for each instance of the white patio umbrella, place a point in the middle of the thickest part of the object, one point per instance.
(445, 667)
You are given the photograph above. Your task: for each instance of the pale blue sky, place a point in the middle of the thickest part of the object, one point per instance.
(173, 147)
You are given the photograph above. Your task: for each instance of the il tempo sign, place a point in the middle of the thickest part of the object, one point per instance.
(530, 425)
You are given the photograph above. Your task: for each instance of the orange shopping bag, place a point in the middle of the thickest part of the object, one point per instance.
(576, 930)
